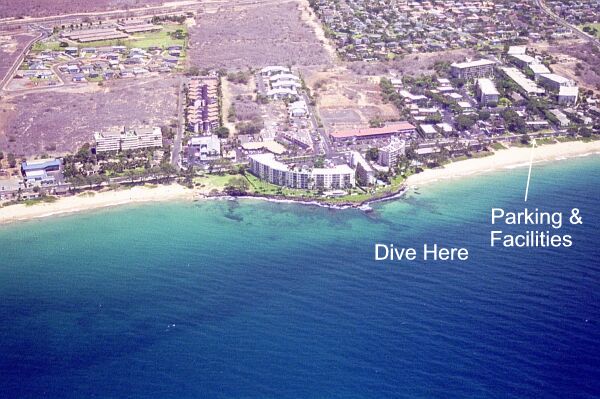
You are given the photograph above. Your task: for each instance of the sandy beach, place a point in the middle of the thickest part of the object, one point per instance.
(95, 200)
(513, 157)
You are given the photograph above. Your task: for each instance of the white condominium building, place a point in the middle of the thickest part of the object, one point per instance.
(389, 155)
(488, 94)
(473, 69)
(122, 139)
(266, 167)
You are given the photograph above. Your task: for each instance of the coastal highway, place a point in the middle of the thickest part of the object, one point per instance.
(564, 23)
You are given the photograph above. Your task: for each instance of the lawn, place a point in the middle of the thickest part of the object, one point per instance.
(593, 26)
(214, 181)
(161, 38)
(46, 45)
(258, 186)
(261, 187)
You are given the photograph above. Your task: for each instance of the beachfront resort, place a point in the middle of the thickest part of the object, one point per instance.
(373, 109)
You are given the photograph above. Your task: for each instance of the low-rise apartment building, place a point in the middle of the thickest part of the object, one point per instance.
(554, 81)
(203, 149)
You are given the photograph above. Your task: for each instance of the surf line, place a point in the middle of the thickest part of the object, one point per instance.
(533, 145)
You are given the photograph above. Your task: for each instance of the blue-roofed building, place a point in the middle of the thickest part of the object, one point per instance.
(48, 165)
(42, 172)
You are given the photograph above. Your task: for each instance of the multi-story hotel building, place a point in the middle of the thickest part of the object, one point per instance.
(388, 155)
(473, 69)
(266, 167)
(122, 139)
(488, 94)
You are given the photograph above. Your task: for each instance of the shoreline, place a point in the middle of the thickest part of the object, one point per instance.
(504, 159)
(103, 199)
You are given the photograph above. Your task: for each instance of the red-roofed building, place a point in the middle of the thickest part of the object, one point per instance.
(392, 129)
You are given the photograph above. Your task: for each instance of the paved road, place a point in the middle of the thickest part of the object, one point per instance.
(564, 23)
(176, 150)
(18, 60)
(324, 144)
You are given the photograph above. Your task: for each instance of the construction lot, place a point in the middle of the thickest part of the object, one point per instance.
(346, 99)
(255, 36)
(60, 121)
(576, 60)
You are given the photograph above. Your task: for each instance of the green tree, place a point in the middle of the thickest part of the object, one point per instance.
(464, 122)
(514, 122)
(222, 132)
(12, 161)
(237, 186)
(373, 154)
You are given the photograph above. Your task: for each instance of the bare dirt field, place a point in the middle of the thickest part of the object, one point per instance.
(57, 122)
(11, 46)
(255, 36)
(411, 64)
(576, 60)
(41, 8)
(239, 99)
(346, 99)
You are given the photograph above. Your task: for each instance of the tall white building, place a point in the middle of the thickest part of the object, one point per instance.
(266, 167)
(122, 139)
(388, 155)
(488, 94)
(473, 69)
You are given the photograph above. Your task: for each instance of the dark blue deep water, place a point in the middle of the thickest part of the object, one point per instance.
(260, 300)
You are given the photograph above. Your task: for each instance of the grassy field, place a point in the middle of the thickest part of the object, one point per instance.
(262, 187)
(593, 26)
(161, 38)
(217, 182)
(47, 45)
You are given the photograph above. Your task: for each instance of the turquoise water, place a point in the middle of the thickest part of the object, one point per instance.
(252, 299)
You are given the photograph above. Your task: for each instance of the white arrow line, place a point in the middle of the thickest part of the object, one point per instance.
(533, 145)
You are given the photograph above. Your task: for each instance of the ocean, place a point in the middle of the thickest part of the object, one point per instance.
(251, 299)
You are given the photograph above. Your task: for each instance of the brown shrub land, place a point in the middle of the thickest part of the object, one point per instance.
(11, 45)
(255, 36)
(41, 8)
(57, 122)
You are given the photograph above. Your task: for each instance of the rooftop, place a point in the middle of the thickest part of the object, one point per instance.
(373, 131)
(556, 78)
(568, 91)
(487, 87)
(471, 64)
(40, 164)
